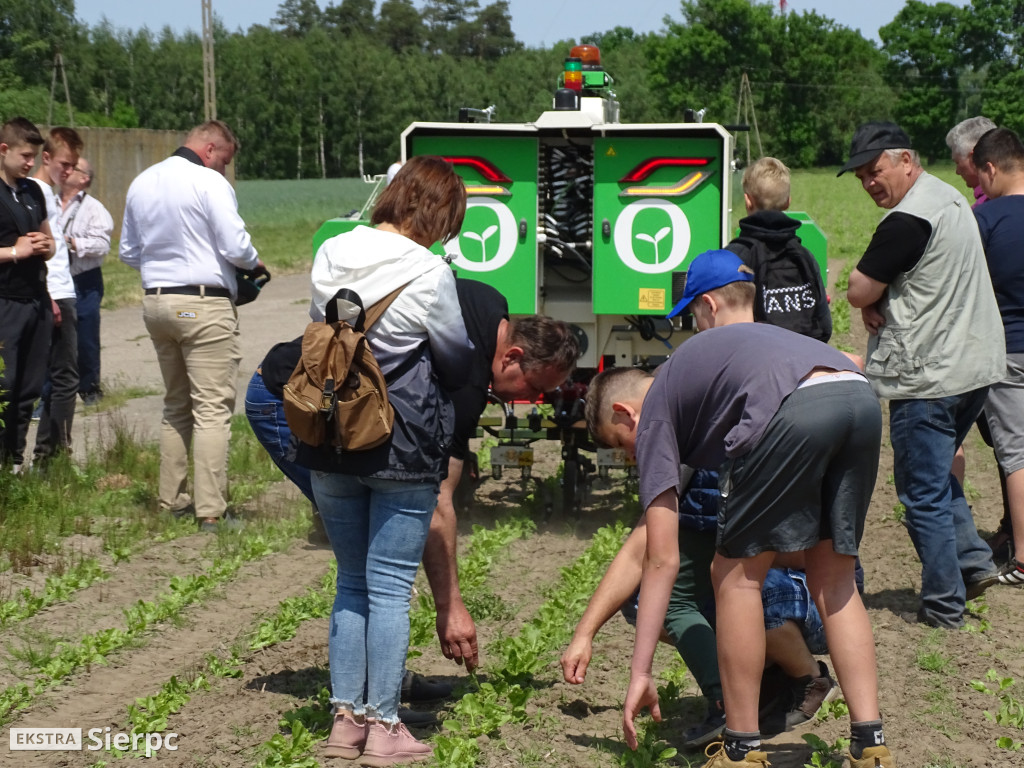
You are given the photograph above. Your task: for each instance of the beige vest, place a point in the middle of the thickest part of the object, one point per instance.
(943, 334)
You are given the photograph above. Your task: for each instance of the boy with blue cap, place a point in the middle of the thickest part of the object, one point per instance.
(793, 430)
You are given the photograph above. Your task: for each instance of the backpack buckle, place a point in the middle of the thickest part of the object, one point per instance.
(328, 399)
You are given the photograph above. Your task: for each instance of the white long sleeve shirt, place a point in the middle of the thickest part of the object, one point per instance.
(58, 272)
(181, 227)
(90, 224)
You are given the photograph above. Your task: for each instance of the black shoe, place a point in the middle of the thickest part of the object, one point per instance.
(415, 719)
(809, 694)
(976, 588)
(91, 398)
(417, 689)
(922, 618)
(189, 510)
(710, 730)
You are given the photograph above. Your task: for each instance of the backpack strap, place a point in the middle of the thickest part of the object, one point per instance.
(344, 294)
(367, 317)
(374, 313)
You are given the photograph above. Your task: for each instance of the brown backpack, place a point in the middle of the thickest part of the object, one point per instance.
(337, 396)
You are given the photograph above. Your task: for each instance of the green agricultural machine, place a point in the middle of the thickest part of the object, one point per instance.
(586, 219)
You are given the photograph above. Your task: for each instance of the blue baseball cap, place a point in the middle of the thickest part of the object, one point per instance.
(708, 272)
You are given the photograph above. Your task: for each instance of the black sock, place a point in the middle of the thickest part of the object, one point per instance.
(737, 743)
(867, 733)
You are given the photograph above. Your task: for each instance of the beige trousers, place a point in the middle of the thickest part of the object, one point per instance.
(197, 346)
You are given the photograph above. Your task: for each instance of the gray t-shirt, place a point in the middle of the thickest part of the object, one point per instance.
(715, 396)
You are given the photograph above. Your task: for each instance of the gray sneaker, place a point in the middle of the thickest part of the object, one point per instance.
(809, 693)
(710, 730)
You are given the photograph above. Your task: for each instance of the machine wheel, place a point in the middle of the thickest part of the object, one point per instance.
(571, 490)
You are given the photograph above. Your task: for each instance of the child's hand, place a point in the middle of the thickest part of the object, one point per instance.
(642, 693)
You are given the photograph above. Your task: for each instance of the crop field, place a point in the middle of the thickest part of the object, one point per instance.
(123, 622)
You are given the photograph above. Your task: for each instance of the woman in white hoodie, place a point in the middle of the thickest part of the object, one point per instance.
(376, 505)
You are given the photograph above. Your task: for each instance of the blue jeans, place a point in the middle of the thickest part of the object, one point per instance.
(266, 417)
(378, 529)
(784, 597)
(925, 435)
(89, 289)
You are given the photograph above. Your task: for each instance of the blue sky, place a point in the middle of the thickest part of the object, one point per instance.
(535, 22)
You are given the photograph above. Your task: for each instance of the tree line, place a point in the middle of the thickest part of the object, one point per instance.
(326, 91)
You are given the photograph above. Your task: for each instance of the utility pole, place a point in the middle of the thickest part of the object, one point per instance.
(745, 107)
(58, 63)
(209, 80)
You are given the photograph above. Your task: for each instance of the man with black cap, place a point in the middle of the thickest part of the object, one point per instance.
(934, 348)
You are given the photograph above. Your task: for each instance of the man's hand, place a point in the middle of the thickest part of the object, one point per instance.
(873, 319)
(457, 633)
(34, 244)
(56, 313)
(642, 693)
(576, 659)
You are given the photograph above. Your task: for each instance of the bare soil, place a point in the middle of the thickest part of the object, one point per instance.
(932, 718)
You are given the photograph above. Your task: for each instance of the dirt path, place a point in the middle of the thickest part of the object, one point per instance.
(100, 697)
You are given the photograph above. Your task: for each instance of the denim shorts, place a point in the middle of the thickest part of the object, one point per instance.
(785, 598)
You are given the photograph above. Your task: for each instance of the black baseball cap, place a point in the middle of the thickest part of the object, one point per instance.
(870, 140)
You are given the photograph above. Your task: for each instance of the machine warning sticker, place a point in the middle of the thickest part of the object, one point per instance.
(652, 298)
(610, 152)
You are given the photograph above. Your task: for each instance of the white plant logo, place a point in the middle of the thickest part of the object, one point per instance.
(482, 238)
(651, 260)
(487, 252)
(654, 240)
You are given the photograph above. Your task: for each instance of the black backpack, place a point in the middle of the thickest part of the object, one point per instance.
(790, 291)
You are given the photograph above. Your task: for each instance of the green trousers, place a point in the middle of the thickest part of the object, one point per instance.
(694, 638)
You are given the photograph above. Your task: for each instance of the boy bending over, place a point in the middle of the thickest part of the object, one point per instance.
(794, 432)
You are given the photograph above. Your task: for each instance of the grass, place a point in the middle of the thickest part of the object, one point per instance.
(111, 495)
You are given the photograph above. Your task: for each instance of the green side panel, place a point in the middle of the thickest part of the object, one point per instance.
(498, 241)
(333, 227)
(814, 240)
(812, 237)
(651, 236)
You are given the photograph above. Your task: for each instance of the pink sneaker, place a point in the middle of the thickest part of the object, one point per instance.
(348, 736)
(386, 746)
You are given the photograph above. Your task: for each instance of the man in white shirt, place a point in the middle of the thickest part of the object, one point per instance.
(182, 231)
(59, 157)
(87, 227)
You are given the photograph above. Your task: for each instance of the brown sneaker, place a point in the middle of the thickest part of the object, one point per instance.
(874, 757)
(809, 693)
(392, 745)
(348, 735)
(719, 759)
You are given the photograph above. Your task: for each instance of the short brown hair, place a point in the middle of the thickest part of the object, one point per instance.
(545, 342)
(609, 387)
(62, 136)
(20, 130)
(206, 131)
(766, 183)
(737, 295)
(426, 200)
(1001, 147)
